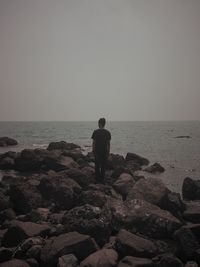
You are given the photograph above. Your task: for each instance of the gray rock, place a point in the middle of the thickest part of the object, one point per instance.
(68, 261)
(130, 261)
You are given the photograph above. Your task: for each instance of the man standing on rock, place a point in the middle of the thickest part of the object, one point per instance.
(101, 149)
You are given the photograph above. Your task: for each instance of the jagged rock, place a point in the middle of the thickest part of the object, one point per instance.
(101, 258)
(68, 261)
(192, 212)
(19, 231)
(150, 219)
(5, 254)
(170, 260)
(136, 158)
(124, 184)
(62, 145)
(133, 245)
(130, 261)
(89, 220)
(24, 197)
(151, 190)
(78, 244)
(64, 192)
(156, 167)
(7, 141)
(191, 189)
(15, 263)
(187, 243)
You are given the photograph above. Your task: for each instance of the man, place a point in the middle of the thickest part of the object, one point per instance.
(101, 149)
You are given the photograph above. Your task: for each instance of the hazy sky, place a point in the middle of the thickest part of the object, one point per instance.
(83, 59)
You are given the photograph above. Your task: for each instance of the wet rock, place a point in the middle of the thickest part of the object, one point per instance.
(187, 243)
(19, 231)
(62, 145)
(7, 141)
(24, 197)
(101, 258)
(89, 220)
(133, 245)
(130, 261)
(68, 261)
(124, 184)
(151, 190)
(137, 159)
(192, 212)
(63, 192)
(191, 189)
(156, 167)
(15, 263)
(73, 242)
(170, 260)
(150, 219)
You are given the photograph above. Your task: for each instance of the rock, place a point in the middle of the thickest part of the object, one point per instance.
(170, 260)
(73, 242)
(68, 261)
(150, 219)
(192, 212)
(38, 215)
(63, 192)
(195, 228)
(191, 264)
(19, 231)
(136, 158)
(89, 220)
(7, 163)
(62, 145)
(28, 160)
(156, 167)
(191, 189)
(130, 261)
(7, 214)
(183, 136)
(7, 141)
(151, 190)
(133, 245)
(187, 243)
(101, 258)
(5, 254)
(15, 263)
(92, 197)
(34, 252)
(24, 197)
(173, 203)
(115, 160)
(4, 201)
(61, 163)
(124, 184)
(32, 262)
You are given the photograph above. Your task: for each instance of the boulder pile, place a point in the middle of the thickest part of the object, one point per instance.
(53, 213)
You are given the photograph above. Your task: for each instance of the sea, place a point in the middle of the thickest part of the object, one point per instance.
(173, 144)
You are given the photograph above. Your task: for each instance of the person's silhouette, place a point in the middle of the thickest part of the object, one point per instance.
(101, 149)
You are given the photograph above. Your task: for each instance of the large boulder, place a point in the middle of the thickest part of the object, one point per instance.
(73, 242)
(102, 258)
(62, 145)
(191, 189)
(63, 192)
(151, 190)
(134, 245)
(7, 141)
(28, 160)
(150, 219)
(89, 220)
(19, 231)
(68, 261)
(24, 197)
(7, 163)
(136, 158)
(192, 211)
(115, 160)
(124, 184)
(130, 261)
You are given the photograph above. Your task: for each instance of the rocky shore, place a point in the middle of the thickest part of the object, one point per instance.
(54, 214)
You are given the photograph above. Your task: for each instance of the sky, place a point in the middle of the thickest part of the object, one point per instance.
(78, 60)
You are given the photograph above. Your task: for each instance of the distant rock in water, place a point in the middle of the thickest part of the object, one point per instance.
(136, 158)
(7, 141)
(156, 167)
(183, 136)
(62, 145)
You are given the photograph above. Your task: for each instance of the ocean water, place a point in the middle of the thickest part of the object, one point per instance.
(153, 140)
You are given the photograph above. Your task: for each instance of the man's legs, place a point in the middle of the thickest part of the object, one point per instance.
(100, 165)
(97, 169)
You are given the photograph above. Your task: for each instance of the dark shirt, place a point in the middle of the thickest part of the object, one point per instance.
(102, 137)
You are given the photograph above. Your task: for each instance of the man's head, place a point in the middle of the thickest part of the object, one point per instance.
(102, 122)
